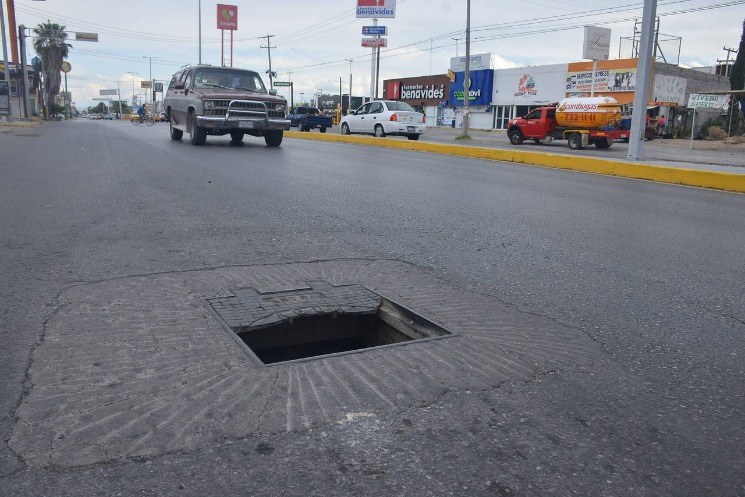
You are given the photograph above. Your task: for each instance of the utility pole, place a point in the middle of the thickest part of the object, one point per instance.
(467, 75)
(6, 69)
(643, 72)
(200, 32)
(727, 69)
(349, 107)
(24, 70)
(456, 46)
(152, 87)
(269, 50)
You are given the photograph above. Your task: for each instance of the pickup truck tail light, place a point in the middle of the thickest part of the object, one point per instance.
(424, 119)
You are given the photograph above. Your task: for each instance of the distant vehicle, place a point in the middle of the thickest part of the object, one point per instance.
(307, 118)
(108, 117)
(385, 117)
(208, 100)
(99, 116)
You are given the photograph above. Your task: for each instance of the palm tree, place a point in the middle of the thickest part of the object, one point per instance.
(51, 47)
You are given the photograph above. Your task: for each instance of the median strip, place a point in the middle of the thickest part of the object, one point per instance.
(662, 174)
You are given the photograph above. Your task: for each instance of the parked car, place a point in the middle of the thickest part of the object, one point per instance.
(209, 100)
(385, 117)
(307, 118)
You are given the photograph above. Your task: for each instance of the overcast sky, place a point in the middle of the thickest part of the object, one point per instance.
(313, 39)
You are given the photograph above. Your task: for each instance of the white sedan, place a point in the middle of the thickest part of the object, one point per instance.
(385, 117)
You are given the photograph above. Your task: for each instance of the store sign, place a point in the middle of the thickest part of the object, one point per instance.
(479, 88)
(478, 61)
(376, 8)
(227, 17)
(704, 101)
(86, 37)
(597, 43)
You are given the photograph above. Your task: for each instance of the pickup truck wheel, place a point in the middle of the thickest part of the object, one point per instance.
(176, 134)
(379, 131)
(575, 141)
(515, 136)
(273, 138)
(345, 129)
(322, 129)
(236, 136)
(197, 135)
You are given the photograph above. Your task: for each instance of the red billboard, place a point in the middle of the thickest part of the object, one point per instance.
(227, 17)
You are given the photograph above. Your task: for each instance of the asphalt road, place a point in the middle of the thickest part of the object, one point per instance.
(636, 287)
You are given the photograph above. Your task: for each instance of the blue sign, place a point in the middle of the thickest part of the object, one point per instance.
(480, 88)
(375, 30)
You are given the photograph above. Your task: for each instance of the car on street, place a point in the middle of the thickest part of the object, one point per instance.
(385, 117)
(206, 100)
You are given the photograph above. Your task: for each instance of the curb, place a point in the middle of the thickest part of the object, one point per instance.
(661, 174)
(19, 124)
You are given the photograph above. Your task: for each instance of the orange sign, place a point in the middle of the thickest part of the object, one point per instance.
(66, 67)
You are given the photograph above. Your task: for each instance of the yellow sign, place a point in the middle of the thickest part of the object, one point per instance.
(145, 84)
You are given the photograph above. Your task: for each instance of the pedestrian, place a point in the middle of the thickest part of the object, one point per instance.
(661, 125)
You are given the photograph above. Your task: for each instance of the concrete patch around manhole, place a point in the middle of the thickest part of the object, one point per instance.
(141, 366)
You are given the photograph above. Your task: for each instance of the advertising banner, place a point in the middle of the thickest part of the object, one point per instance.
(606, 80)
(227, 17)
(103, 93)
(479, 88)
(376, 9)
(374, 42)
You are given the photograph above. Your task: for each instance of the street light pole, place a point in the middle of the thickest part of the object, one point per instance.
(467, 78)
(151, 75)
(349, 107)
(6, 69)
(133, 87)
(200, 32)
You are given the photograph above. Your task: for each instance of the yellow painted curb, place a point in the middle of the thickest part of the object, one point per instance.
(663, 174)
(19, 124)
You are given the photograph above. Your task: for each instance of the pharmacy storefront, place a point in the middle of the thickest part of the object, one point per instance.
(427, 94)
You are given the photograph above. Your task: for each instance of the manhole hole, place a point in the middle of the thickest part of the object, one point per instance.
(318, 320)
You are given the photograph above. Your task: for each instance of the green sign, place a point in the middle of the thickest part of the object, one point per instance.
(282, 83)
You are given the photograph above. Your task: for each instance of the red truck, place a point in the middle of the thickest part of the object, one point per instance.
(580, 121)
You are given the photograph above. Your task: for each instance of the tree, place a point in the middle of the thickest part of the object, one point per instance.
(51, 46)
(737, 78)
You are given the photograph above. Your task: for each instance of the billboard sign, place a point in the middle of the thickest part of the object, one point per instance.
(478, 62)
(597, 43)
(479, 88)
(103, 93)
(606, 80)
(376, 9)
(145, 84)
(227, 17)
(374, 42)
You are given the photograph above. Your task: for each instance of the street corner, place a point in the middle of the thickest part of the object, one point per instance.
(142, 366)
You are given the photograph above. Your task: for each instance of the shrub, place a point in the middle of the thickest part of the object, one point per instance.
(716, 133)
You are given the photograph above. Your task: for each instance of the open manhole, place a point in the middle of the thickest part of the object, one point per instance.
(318, 320)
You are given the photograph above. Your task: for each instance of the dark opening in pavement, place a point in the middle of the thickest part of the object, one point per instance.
(319, 320)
